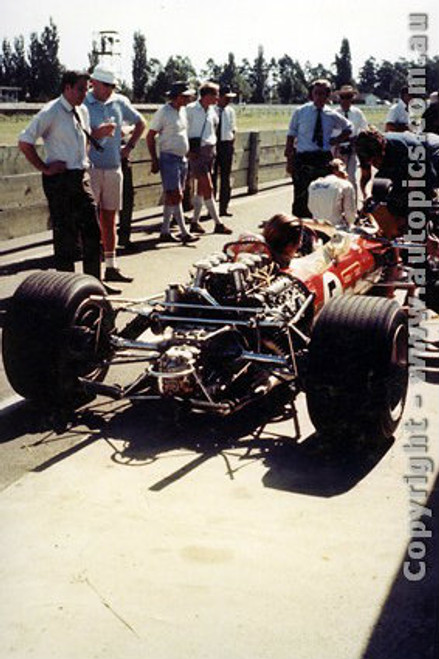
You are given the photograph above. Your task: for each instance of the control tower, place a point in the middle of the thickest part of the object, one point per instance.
(107, 51)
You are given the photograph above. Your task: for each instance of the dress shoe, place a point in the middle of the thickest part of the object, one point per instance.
(225, 214)
(196, 227)
(110, 290)
(189, 238)
(114, 274)
(221, 228)
(168, 238)
(129, 247)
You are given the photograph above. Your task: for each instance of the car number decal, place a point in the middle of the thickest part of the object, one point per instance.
(331, 286)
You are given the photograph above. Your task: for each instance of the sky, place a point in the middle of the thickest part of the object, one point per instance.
(202, 29)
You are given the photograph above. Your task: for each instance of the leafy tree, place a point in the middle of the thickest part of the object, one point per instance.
(385, 80)
(45, 68)
(258, 78)
(140, 67)
(21, 67)
(6, 64)
(176, 68)
(368, 76)
(93, 56)
(343, 66)
(212, 71)
(291, 83)
(316, 72)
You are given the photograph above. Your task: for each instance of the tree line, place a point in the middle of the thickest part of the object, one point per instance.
(37, 71)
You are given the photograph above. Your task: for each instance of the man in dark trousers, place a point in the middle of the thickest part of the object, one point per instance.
(224, 148)
(309, 141)
(64, 126)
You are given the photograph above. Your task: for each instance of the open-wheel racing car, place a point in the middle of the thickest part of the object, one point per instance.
(240, 328)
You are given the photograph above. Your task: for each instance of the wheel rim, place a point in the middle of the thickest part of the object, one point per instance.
(89, 344)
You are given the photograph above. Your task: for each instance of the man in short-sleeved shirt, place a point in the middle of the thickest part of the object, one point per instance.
(108, 112)
(398, 118)
(309, 141)
(202, 126)
(346, 150)
(169, 128)
(226, 132)
(66, 182)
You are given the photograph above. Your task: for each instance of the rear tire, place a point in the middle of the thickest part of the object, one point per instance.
(357, 376)
(54, 334)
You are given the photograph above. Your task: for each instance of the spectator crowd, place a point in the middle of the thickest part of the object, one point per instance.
(90, 131)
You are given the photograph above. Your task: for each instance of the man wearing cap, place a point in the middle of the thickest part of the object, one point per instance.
(63, 124)
(309, 141)
(224, 148)
(169, 127)
(108, 111)
(346, 150)
(202, 131)
(332, 197)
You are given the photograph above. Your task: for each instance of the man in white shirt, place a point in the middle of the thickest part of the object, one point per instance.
(309, 141)
(332, 197)
(346, 150)
(64, 126)
(398, 118)
(202, 127)
(224, 149)
(169, 127)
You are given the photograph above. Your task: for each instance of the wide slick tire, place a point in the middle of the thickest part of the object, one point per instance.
(357, 373)
(54, 334)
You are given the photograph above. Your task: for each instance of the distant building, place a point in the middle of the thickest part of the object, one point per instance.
(368, 99)
(9, 94)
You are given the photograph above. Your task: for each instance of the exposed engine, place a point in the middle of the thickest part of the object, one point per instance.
(237, 322)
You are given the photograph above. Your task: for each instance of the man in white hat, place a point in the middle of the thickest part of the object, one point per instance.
(108, 112)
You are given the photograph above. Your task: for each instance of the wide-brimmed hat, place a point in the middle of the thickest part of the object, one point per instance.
(103, 74)
(180, 88)
(347, 90)
(226, 90)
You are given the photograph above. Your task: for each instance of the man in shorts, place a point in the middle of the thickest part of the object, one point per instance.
(169, 127)
(108, 111)
(202, 128)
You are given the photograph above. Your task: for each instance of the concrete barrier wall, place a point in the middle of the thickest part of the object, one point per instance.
(258, 161)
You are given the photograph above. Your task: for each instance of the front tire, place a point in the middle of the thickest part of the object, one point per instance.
(358, 376)
(54, 334)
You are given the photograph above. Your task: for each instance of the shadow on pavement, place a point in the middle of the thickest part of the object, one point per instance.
(36, 263)
(408, 625)
(322, 466)
(146, 432)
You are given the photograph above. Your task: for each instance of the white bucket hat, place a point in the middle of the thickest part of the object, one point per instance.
(102, 74)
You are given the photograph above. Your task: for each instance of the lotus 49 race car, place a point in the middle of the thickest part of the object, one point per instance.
(239, 329)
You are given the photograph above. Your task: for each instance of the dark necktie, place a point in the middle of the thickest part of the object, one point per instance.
(346, 114)
(89, 137)
(218, 130)
(318, 130)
